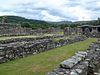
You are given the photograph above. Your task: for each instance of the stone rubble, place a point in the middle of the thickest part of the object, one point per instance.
(82, 63)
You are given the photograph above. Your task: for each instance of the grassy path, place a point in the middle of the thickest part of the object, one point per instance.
(42, 63)
(10, 37)
(26, 36)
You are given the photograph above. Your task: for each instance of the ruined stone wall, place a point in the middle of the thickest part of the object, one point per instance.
(18, 48)
(14, 29)
(82, 63)
(70, 31)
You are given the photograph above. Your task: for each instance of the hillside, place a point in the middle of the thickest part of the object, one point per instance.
(17, 19)
(31, 23)
(34, 24)
(61, 22)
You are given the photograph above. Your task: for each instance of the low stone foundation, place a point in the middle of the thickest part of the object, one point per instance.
(18, 48)
(82, 63)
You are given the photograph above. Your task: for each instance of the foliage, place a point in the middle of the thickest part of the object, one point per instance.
(26, 24)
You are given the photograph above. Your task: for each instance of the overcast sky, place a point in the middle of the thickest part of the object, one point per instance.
(52, 10)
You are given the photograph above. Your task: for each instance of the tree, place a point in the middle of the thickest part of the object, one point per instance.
(26, 24)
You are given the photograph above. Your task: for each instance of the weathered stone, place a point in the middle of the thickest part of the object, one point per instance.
(76, 65)
(17, 48)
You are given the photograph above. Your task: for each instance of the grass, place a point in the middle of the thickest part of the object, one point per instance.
(44, 62)
(30, 36)
(61, 33)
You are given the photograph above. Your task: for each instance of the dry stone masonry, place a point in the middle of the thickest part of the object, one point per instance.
(82, 63)
(90, 31)
(14, 29)
(18, 48)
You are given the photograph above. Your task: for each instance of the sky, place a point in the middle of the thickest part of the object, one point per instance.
(52, 10)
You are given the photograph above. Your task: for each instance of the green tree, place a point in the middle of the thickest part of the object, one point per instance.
(26, 24)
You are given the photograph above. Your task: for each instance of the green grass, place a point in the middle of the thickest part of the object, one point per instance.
(30, 36)
(61, 33)
(44, 62)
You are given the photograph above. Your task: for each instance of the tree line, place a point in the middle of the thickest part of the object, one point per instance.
(35, 24)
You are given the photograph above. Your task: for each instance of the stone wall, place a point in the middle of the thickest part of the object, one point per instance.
(18, 48)
(70, 31)
(13, 29)
(91, 31)
(82, 63)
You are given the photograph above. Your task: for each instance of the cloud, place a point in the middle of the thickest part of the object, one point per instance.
(52, 10)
